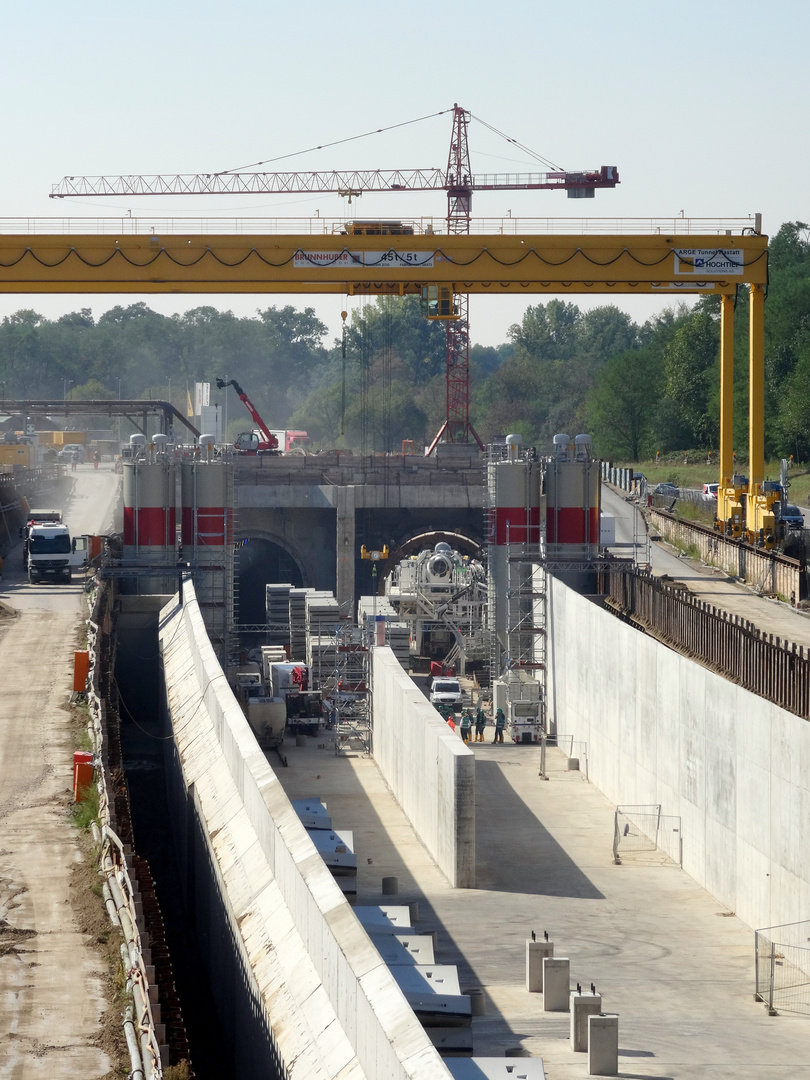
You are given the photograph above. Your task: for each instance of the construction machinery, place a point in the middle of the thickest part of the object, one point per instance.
(262, 441)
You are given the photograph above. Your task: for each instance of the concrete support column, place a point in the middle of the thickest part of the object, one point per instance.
(556, 983)
(603, 1045)
(536, 952)
(345, 546)
(582, 1007)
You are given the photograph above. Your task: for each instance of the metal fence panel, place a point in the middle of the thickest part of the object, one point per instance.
(782, 967)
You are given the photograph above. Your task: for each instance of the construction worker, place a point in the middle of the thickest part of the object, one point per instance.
(466, 724)
(480, 724)
(500, 725)
(96, 459)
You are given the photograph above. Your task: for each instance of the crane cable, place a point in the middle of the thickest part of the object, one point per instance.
(394, 127)
(337, 142)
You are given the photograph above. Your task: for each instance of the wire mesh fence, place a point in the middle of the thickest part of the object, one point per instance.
(644, 830)
(782, 968)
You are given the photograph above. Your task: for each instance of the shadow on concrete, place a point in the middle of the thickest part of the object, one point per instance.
(514, 852)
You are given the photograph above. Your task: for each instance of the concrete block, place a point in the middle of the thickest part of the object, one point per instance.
(556, 983)
(573, 764)
(603, 1044)
(581, 1007)
(536, 952)
(477, 1003)
(390, 886)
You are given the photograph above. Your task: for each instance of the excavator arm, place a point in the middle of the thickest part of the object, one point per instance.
(268, 440)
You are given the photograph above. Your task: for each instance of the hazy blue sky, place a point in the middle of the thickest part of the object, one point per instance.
(702, 107)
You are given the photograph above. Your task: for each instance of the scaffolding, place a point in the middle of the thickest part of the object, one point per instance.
(348, 692)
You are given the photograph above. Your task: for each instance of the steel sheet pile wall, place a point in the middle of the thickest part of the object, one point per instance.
(660, 728)
(768, 666)
(427, 766)
(285, 951)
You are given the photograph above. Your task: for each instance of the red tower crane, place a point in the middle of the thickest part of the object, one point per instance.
(458, 181)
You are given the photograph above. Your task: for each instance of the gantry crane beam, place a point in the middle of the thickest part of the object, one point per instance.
(298, 263)
(352, 182)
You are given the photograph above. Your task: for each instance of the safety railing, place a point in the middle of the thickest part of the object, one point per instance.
(776, 670)
(428, 225)
(117, 887)
(782, 968)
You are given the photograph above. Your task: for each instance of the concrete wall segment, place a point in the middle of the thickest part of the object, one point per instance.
(297, 941)
(428, 768)
(733, 766)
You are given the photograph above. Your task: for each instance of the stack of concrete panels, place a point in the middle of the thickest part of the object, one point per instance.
(431, 990)
(397, 634)
(277, 604)
(323, 616)
(298, 623)
(336, 848)
(399, 638)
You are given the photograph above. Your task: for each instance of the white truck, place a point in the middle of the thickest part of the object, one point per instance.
(51, 553)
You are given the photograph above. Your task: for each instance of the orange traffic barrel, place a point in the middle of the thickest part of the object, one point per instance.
(81, 669)
(82, 774)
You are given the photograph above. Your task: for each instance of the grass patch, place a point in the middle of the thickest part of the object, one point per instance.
(180, 1071)
(84, 812)
(671, 470)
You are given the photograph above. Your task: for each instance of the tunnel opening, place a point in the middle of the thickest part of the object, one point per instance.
(259, 563)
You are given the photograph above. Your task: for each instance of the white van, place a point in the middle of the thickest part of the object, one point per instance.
(445, 691)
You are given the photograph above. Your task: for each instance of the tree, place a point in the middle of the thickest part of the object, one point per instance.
(623, 407)
(691, 367)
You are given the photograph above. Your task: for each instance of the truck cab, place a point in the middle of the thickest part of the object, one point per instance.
(49, 552)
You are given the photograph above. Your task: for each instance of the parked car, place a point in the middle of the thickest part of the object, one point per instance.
(667, 490)
(791, 515)
(710, 490)
(70, 450)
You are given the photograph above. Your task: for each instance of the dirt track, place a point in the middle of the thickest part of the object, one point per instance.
(51, 993)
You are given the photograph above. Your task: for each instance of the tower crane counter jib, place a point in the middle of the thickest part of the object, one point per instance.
(262, 441)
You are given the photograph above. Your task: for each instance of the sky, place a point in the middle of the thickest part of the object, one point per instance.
(702, 107)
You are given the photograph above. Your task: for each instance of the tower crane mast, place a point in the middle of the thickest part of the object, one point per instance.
(458, 181)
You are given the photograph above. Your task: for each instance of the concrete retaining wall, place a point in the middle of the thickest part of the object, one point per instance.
(277, 932)
(427, 766)
(660, 728)
(768, 572)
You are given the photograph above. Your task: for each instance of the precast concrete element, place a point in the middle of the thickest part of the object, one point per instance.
(301, 989)
(536, 952)
(661, 729)
(556, 983)
(428, 768)
(581, 1007)
(603, 1045)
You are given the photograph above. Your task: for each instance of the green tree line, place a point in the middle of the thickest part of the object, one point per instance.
(636, 388)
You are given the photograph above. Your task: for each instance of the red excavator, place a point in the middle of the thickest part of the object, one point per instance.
(262, 441)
